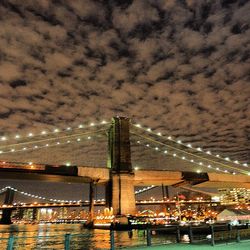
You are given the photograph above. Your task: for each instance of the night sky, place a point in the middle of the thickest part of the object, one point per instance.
(179, 67)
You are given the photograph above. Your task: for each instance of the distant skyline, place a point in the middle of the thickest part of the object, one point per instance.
(179, 67)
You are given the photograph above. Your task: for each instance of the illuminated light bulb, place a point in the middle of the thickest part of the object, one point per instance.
(237, 162)
(138, 142)
(3, 138)
(209, 166)
(46, 145)
(30, 134)
(30, 163)
(245, 165)
(68, 128)
(198, 171)
(58, 143)
(200, 163)
(189, 145)
(174, 155)
(17, 136)
(192, 160)
(248, 173)
(159, 134)
(149, 129)
(165, 152)
(136, 168)
(179, 141)
(24, 148)
(217, 169)
(234, 173)
(225, 171)
(156, 148)
(138, 125)
(80, 126)
(103, 122)
(92, 124)
(68, 164)
(147, 145)
(227, 159)
(183, 157)
(208, 152)
(89, 137)
(169, 137)
(199, 149)
(56, 130)
(78, 139)
(12, 150)
(218, 156)
(1, 152)
(44, 132)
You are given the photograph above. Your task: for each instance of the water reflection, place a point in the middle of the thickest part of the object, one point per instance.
(51, 236)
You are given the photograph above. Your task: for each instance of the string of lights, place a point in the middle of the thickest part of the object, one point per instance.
(70, 139)
(38, 196)
(27, 194)
(198, 149)
(5, 138)
(191, 160)
(144, 189)
(2, 190)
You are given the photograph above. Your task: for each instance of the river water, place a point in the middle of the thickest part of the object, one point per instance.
(51, 236)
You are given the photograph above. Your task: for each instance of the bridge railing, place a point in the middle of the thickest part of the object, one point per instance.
(110, 239)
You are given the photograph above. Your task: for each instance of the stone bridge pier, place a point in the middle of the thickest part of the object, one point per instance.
(120, 193)
(8, 200)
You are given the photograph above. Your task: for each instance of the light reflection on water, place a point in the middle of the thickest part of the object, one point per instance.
(87, 240)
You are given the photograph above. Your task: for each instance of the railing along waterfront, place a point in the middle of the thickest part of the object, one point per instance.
(111, 239)
(212, 237)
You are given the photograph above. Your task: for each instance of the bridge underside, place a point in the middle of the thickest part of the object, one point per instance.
(157, 178)
(139, 178)
(44, 177)
(203, 180)
(225, 181)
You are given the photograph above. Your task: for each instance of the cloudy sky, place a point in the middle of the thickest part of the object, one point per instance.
(180, 67)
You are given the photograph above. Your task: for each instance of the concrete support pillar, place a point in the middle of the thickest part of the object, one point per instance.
(34, 213)
(167, 192)
(120, 192)
(123, 194)
(20, 212)
(108, 194)
(8, 200)
(91, 200)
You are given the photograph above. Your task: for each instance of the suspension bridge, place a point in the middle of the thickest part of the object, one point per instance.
(32, 156)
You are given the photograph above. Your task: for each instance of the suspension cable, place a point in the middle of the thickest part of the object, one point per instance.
(188, 153)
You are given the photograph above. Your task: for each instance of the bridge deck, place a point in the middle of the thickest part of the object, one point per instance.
(140, 178)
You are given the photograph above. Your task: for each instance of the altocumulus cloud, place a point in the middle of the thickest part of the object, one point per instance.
(177, 66)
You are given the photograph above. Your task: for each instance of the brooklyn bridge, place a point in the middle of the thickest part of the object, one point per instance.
(186, 166)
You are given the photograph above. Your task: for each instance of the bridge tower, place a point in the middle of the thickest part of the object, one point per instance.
(120, 190)
(8, 200)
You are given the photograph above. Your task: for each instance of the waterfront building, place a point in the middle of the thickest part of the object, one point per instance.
(234, 195)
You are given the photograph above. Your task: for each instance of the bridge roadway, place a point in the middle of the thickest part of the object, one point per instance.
(102, 203)
(84, 174)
